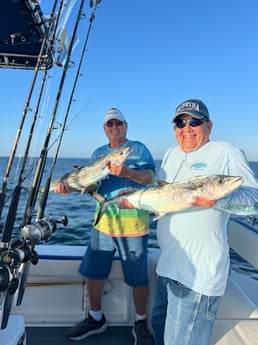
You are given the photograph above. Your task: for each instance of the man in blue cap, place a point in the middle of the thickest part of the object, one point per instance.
(194, 262)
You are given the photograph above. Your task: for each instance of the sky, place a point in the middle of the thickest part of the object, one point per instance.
(146, 57)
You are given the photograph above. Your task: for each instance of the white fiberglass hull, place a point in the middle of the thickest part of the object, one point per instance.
(54, 293)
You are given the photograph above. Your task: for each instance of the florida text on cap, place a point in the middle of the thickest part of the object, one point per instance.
(193, 107)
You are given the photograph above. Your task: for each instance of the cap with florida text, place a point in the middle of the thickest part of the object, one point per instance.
(193, 107)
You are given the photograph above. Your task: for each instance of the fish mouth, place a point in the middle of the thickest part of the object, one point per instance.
(129, 149)
(237, 181)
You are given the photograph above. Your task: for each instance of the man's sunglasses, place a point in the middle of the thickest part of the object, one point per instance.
(181, 123)
(114, 123)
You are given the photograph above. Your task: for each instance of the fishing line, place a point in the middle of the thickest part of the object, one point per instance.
(28, 255)
(29, 210)
(43, 202)
(15, 257)
(23, 117)
(93, 4)
(11, 215)
(26, 109)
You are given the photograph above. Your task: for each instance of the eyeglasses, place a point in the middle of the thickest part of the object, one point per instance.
(114, 123)
(181, 123)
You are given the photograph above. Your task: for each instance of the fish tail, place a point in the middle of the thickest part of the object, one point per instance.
(102, 205)
(102, 209)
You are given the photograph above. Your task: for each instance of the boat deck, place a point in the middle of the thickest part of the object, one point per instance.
(115, 335)
(55, 279)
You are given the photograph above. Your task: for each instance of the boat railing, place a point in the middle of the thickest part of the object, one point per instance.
(253, 220)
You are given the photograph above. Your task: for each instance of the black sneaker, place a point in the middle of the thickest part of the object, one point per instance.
(141, 333)
(86, 328)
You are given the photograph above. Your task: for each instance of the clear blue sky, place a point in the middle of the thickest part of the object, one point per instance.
(145, 57)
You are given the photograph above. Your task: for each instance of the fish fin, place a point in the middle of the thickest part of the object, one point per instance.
(102, 209)
(77, 167)
(83, 190)
(162, 183)
(189, 187)
(100, 198)
(159, 215)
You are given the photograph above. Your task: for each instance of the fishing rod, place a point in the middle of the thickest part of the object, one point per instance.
(23, 118)
(21, 252)
(13, 254)
(26, 241)
(44, 198)
(15, 198)
(18, 134)
(29, 209)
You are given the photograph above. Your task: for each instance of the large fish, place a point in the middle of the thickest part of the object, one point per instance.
(79, 179)
(174, 197)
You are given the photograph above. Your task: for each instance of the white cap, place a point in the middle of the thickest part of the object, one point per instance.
(114, 113)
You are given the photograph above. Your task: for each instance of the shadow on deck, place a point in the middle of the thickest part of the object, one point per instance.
(115, 335)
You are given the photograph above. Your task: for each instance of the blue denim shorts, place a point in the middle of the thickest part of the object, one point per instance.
(132, 251)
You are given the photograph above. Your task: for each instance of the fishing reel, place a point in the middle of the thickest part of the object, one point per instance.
(8, 280)
(14, 263)
(41, 230)
(10, 261)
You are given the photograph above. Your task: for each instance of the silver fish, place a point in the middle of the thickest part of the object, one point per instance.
(175, 197)
(81, 178)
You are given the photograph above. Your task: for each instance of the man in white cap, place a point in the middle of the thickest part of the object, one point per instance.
(125, 231)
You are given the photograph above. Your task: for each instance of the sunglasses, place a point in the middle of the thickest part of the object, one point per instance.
(181, 123)
(114, 123)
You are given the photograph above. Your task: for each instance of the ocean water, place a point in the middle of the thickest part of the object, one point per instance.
(78, 208)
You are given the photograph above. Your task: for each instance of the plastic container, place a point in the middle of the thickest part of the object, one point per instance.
(14, 333)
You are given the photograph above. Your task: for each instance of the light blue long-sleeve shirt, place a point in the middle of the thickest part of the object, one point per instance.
(194, 245)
